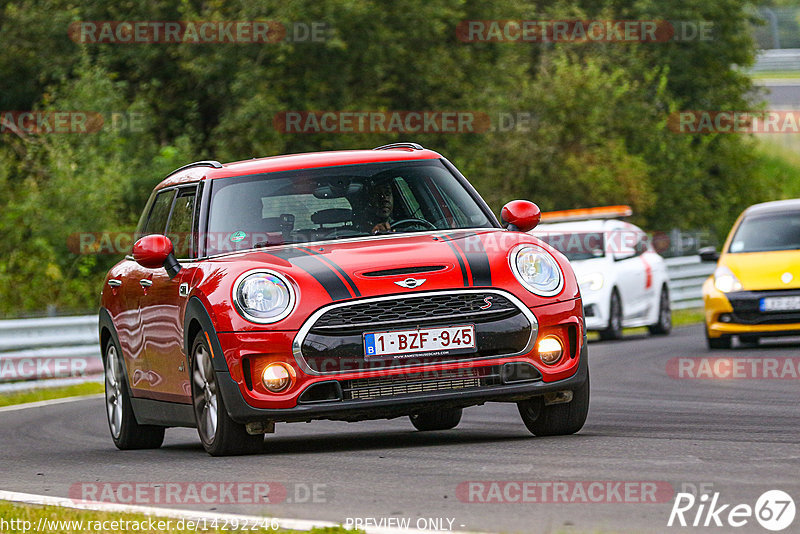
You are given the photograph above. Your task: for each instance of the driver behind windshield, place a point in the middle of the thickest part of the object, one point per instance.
(374, 212)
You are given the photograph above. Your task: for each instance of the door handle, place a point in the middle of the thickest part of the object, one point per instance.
(144, 282)
(114, 282)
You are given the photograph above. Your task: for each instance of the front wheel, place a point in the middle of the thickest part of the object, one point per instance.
(556, 419)
(664, 324)
(125, 431)
(443, 419)
(220, 435)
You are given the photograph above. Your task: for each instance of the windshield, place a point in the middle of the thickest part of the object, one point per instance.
(330, 203)
(576, 245)
(762, 233)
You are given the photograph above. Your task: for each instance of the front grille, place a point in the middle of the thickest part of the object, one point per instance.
(766, 318)
(374, 388)
(746, 308)
(473, 307)
(333, 340)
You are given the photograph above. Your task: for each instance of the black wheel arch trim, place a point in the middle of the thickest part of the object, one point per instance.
(196, 311)
(106, 323)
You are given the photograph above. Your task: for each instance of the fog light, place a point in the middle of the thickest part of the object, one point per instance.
(550, 350)
(276, 377)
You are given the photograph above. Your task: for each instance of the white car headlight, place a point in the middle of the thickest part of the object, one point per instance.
(725, 280)
(263, 296)
(592, 282)
(537, 270)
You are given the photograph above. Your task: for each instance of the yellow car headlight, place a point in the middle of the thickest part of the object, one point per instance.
(725, 280)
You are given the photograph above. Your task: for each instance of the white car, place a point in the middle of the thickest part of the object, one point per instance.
(623, 281)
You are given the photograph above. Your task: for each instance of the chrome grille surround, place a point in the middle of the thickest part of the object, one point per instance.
(297, 343)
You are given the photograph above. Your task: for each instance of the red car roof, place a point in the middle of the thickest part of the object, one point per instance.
(290, 162)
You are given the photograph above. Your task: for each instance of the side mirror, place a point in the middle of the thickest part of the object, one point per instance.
(708, 254)
(520, 215)
(154, 251)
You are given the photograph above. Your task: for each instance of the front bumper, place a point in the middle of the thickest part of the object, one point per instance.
(738, 313)
(596, 306)
(395, 406)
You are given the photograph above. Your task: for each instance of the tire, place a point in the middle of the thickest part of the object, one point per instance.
(219, 434)
(443, 419)
(557, 419)
(664, 325)
(614, 329)
(125, 431)
(723, 342)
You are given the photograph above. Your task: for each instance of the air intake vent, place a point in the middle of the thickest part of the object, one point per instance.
(407, 270)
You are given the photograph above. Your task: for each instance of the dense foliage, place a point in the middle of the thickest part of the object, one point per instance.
(597, 132)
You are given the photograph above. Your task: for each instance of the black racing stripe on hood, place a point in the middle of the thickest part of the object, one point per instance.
(338, 269)
(318, 270)
(457, 254)
(478, 260)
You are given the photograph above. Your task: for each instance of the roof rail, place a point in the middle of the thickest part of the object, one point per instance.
(204, 163)
(415, 146)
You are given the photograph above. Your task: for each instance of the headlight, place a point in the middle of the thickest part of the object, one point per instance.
(537, 270)
(725, 280)
(592, 282)
(263, 296)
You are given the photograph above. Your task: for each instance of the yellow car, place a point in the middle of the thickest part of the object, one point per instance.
(755, 290)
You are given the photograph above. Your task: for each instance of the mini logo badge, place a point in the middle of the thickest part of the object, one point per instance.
(411, 283)
(786, 278)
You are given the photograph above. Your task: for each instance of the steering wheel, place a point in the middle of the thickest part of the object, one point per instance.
(411, 221)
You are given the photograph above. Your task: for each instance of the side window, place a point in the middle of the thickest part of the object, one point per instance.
(157, 220)
(642, 244)
(180, 223)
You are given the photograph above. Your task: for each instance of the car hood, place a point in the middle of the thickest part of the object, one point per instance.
(375, 266)
(372, 266)
(765, 270)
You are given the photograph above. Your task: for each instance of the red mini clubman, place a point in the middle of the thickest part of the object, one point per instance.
(348, 285)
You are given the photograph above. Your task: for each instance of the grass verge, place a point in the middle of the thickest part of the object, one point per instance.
(57, 520)
(40, 394)
(776, 75)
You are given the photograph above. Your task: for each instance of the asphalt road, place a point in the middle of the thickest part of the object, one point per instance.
(782, 94)
(736, 437)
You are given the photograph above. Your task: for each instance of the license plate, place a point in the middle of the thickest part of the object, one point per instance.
(780, 304)
(441, 341)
